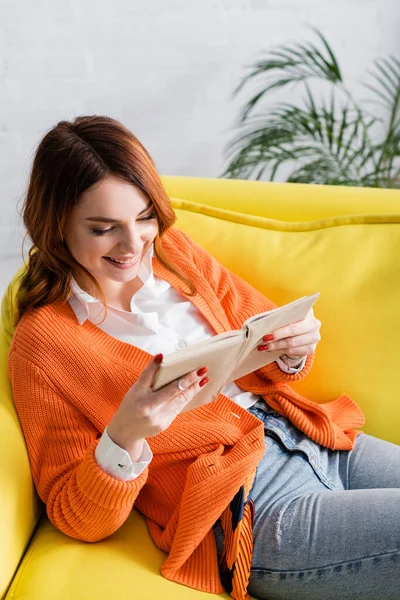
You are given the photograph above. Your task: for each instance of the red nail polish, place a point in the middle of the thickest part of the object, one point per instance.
(158, 358)
(202, 371)
(204, 381)
(268, 338)
(263, 347)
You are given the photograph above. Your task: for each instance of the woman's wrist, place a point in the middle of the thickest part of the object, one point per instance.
(293, 362)
(133, 446)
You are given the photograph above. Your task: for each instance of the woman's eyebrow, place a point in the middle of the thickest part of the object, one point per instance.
(108, 220)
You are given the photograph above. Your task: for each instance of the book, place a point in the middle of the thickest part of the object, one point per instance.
(231, 354)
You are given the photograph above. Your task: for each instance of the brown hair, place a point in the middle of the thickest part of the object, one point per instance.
(71, 157)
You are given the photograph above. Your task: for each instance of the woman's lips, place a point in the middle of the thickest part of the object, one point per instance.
(123, 266)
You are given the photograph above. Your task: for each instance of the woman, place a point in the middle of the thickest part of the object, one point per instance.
(110, 287)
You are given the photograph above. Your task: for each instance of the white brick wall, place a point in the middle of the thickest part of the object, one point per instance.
(165, 68)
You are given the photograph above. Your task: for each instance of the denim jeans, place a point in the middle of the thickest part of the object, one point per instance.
(327, 523)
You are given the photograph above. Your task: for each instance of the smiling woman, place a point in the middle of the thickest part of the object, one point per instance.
(115, 255)
(102, 174)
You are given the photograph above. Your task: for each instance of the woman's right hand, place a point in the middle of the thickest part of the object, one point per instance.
(143, 412)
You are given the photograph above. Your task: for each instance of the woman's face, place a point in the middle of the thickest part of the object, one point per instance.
(113, 220)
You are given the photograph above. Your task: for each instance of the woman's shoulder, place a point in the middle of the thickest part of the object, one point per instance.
(44, 318)
(41, 331)
(176, 237)
(180, 244)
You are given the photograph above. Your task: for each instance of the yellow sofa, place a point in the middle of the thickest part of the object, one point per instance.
(287, 240)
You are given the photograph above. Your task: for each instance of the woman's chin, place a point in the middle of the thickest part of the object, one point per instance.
(120, 275)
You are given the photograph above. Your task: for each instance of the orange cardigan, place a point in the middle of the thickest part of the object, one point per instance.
(68, 381)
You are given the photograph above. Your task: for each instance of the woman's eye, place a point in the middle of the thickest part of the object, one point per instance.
(104, 231)
(151, 216)
(101, 231)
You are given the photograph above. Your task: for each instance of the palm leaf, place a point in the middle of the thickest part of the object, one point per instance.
(387, 77)
(334, 64)
(320, 170)
(291, 134)
(328, 141)
(290, 65)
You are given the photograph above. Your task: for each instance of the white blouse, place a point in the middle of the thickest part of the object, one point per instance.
(161, 320)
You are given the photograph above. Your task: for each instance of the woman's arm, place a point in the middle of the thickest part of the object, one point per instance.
(81, 499)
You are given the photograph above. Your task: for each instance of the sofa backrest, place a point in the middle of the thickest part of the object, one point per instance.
(288, 241)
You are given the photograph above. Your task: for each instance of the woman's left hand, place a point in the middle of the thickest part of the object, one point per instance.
(295, 340)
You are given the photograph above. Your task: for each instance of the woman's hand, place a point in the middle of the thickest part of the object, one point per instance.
(295, 340)
(143, 413)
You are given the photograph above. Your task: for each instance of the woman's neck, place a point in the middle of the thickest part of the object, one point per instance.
(118, 296)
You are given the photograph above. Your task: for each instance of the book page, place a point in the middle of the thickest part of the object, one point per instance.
(219, 354)
(251, 359)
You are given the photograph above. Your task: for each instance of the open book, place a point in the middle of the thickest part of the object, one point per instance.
(232, 354)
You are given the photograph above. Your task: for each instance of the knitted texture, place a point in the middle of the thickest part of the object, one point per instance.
(69, 379)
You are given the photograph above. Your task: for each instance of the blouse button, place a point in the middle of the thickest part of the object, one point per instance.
(182, 344)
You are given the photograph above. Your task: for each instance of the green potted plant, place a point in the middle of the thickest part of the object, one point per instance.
(332, 141)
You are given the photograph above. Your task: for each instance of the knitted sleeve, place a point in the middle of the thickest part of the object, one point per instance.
(240, 301)
(81, 499)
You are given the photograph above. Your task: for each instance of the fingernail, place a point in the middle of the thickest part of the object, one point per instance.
(268, 338)
(263, 347)
(158, 358)
(202, 371)
(204, 381)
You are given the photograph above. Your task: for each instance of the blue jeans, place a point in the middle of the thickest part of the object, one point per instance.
(327, 523)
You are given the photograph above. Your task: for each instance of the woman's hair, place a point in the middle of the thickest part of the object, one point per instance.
(71, 157)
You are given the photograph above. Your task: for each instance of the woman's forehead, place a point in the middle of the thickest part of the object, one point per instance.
(113, 198)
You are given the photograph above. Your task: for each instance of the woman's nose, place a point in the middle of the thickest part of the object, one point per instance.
(131, 244)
